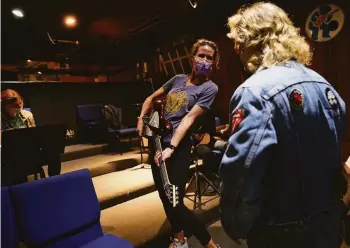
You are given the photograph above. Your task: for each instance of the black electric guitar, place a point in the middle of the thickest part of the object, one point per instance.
(154, 129)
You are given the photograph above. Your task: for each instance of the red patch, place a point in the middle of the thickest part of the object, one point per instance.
(237, 117)
(296, 99)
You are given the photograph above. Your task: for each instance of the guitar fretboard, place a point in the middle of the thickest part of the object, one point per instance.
(162, 164)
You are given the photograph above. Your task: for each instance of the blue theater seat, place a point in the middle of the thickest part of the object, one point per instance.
(108, 241)
(217, 121)
(9, 236)
(61, 211)
(89, 122)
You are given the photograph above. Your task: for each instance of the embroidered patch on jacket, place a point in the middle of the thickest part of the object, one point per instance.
(332, 100)
(296, 99)
(237, 117)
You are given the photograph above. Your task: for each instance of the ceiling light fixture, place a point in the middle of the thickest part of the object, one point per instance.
(18, 13)
(194, 3)
(70, 21)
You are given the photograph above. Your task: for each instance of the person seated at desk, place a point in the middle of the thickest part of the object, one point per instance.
(12, 113)
(13, 116)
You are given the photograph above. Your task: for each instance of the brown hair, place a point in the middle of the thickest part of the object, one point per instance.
(205, 42)
(10, 95)
(268, 27)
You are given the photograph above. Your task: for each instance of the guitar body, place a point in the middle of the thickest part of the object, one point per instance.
(152, 129)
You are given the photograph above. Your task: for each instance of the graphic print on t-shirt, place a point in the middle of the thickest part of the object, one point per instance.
(175, 101)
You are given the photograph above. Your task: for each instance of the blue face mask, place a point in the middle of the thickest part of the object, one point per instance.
(202, 67)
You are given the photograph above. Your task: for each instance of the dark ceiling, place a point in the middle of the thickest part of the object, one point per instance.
(108, 31)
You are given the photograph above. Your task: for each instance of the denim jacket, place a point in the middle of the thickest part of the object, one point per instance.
(286, 126)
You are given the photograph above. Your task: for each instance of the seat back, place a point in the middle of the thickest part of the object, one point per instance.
(89, 112)
(89, 121)
(112, 117)
(60, 211)
(9, 236)
(217, 121)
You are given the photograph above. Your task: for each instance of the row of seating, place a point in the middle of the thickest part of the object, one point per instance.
(60, 211)
(93, 125)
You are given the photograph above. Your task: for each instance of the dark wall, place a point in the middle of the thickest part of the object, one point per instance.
(331, 59)
(54, 103)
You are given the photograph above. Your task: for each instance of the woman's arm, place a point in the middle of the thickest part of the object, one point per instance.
(181, 131)
(147, 106)
(186, 124)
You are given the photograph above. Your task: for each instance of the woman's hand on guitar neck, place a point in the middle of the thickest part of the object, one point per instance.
(166, 154)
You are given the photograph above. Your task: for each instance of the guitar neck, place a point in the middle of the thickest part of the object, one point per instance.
(163, 170)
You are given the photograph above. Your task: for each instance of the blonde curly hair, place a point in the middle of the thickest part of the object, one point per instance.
(267, 27)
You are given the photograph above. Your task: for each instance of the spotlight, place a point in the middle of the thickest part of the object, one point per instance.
(18, 13)
(29, 61)
(39, 72)
(70, 21)
(194, 3)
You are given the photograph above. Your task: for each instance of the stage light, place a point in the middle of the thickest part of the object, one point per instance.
(194, 3)
(39, 72)
(18, 13)
(70, 21)
(29, 61)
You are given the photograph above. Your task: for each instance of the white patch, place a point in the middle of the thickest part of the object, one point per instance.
(332, 100)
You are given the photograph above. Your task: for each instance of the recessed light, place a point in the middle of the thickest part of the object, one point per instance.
(18, 13)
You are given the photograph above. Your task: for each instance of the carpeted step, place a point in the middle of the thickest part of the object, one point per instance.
(142, 220)
(81, 151)
(121, 186)
(104, 163)
(118, 187)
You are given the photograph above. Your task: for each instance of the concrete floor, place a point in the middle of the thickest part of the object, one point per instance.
(219, 236)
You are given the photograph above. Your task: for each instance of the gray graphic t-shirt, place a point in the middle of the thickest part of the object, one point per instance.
(181, 98)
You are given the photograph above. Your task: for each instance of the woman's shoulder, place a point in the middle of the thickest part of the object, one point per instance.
(180, 76)
(211, 85)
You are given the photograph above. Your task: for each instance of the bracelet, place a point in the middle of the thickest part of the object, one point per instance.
(172, 147)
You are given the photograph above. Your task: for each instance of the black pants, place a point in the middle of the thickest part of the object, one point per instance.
(323, 231)
(211, 155)
(180, 217)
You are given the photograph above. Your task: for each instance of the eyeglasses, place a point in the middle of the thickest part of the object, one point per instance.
(202, 56)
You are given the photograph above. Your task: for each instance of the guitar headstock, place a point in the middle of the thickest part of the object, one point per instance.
(172, 192)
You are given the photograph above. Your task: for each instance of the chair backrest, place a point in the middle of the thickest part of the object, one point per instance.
(217, 121)
(60, 211)
(9, 236)
(89, 112)
(112, 116)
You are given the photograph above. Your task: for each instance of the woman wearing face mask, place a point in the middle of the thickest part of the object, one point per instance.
(187, 98)
(13, 116)
(12, 113)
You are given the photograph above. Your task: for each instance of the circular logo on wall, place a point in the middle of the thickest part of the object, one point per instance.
(324, 22)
